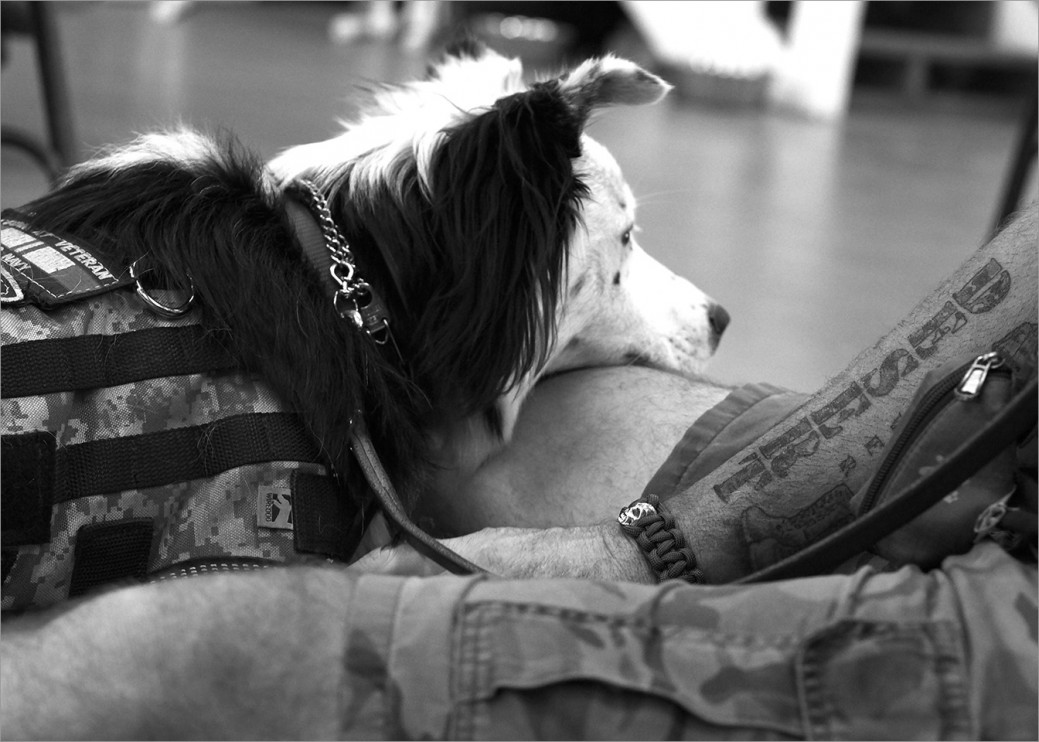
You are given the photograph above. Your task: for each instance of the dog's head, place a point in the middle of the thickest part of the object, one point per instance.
(624, 306)
(501, 235)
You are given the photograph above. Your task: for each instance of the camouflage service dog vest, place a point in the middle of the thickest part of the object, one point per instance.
(134, 446)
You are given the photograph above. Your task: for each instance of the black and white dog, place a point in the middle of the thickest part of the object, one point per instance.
(500, 236)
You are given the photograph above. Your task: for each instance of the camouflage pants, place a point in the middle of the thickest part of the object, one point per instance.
(949, 654)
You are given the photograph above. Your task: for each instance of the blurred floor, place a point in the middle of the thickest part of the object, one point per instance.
(816, 237)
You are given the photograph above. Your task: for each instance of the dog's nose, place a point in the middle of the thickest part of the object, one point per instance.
(718, 318)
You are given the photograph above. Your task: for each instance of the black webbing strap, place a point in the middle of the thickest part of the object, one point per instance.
(324, 520)
(110, 552)
(1013, 422)
(157, 459)
(94, 361)
(7, 560)
(27, 485)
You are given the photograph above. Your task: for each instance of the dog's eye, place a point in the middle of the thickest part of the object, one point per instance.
(626, 238)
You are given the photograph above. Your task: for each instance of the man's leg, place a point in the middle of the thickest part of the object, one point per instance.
(323, 653)
(906, 655)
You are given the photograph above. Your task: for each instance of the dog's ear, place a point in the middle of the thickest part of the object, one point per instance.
(504, 199)
(609, 81)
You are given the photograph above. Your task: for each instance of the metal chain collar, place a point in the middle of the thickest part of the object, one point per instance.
(353, 293)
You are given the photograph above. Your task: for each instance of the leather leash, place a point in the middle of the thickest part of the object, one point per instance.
(392, 508)
(329, 255)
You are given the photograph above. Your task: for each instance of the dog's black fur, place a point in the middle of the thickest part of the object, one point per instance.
(479, 260)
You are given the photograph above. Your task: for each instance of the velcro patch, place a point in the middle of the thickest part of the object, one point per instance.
(10, 291)
(325, 521)
(53, 269)
(108, 553)
(274, 508)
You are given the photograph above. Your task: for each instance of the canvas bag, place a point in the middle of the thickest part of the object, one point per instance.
(960, 467)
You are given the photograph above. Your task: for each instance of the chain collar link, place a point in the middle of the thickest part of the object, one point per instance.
(351, 291)
(354, 298)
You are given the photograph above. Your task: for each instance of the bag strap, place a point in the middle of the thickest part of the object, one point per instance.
(422, 542)
(1011, 423)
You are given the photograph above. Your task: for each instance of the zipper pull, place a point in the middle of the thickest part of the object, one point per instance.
(972, 382)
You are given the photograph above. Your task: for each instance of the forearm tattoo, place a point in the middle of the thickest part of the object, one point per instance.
(770, 536)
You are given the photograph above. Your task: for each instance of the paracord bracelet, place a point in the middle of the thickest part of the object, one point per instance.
(653, 528)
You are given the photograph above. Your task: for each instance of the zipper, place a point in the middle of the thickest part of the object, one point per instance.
(975, 376)
(964, 384)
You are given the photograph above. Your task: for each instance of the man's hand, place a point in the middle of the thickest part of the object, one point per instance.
(591, 552)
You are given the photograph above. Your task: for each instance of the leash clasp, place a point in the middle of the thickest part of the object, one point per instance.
(374, 316)
(354, 298)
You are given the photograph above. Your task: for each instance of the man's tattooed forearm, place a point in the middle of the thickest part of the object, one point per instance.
(775, 457)
(770, 537)
(985, 290)
(880, 381)
(947, 321)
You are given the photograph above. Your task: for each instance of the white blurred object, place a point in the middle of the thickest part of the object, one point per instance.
(170, 12)
(1015, 25)
(815, 70)
(413, 25)
(719, 52)
(421, 21)
(810, 73)
(731, 38)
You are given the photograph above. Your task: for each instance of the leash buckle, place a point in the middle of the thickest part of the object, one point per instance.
(354, 298)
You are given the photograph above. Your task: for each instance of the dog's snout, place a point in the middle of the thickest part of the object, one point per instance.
(718, 318)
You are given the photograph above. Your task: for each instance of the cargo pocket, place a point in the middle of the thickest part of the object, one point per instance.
(544, 672)
(884, 680)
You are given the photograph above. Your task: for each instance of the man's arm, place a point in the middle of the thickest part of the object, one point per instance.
(821, 453)
(255, 656)
(562, 467)
(828, 449)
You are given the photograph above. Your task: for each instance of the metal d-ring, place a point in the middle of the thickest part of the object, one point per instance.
(156, 306)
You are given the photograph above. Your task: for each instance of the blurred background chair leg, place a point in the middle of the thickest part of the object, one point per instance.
(57, 150)
(1022, 161)
(42, 155)
(54, 84)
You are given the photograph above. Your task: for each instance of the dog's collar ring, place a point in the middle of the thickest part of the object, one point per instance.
(163, 310)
